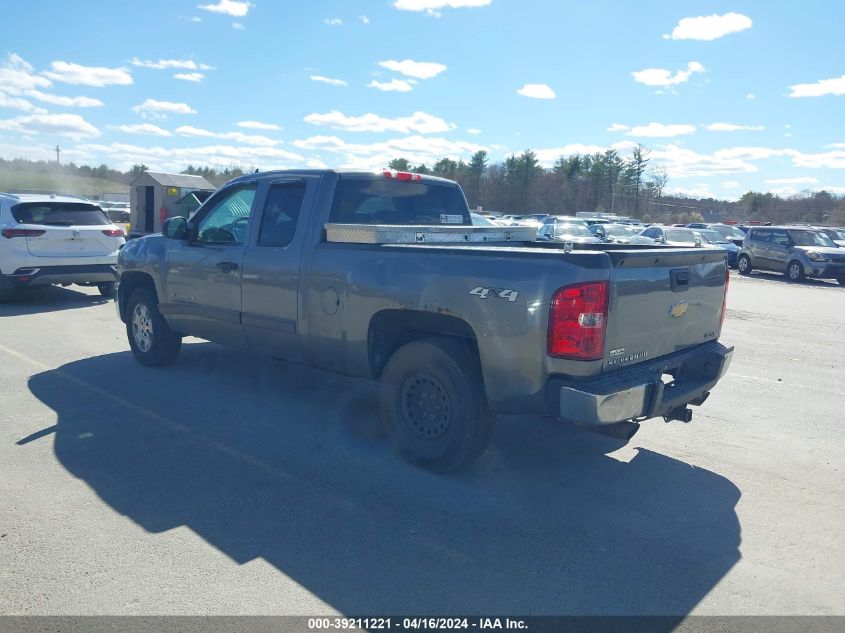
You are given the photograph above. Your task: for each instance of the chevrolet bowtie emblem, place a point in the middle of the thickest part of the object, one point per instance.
(678, 309)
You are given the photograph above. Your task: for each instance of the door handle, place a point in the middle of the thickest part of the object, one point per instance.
(227, 266)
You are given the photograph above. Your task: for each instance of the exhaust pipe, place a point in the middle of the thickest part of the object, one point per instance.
(619, 431)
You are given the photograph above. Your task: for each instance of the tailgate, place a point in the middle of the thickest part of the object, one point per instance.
(71, 241)
(663, 301)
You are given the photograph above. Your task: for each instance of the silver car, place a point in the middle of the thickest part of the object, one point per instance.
(796, 252)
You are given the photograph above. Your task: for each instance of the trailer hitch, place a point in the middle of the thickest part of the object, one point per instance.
(681, 414)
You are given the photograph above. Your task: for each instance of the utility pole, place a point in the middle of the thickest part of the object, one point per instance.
(58, 150)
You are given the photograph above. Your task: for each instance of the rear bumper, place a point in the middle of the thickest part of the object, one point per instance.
(31, 276)
(638, 392)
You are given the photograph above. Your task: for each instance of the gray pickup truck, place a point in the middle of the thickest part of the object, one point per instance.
(383, 276)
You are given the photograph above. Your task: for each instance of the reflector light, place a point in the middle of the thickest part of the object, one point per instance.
(578, 320)
(10, 233)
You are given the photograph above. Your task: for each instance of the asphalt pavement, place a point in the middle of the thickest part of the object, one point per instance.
(233, 484)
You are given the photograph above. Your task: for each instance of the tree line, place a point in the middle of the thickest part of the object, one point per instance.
(630, 185)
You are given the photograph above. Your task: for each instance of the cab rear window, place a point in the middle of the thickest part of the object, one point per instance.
(59, 214)
(375, 201)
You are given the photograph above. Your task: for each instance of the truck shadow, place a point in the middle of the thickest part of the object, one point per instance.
(48, 299)
(287, 463)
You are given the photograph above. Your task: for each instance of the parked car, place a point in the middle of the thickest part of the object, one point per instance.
(564, 219)
(796, 252)
(731, 233)
(576, 233)
(318, 267)
(836, 234)
(620, 234)
(52, 239)
(480, 220)
(714, 238)
(672, 236)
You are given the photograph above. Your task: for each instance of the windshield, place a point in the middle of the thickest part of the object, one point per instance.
(685, 237)
(811, 238)
(714, 237)
(572, 230)
(617, 230)
(382, 201)
(59, 214)
(728, 231)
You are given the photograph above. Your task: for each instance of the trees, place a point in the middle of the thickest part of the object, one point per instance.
(400, 164)
(635, 168)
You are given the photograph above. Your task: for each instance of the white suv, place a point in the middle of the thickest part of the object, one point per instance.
(52, 239)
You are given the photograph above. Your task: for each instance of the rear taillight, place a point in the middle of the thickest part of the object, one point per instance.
(401, 175)
(10, 233)
(114, 232)
(725, 297)
(578, 321)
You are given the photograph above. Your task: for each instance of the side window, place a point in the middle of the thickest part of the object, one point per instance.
(780, 237)
(650, 233)
(281, 214)
(226, 221)
(761, 235)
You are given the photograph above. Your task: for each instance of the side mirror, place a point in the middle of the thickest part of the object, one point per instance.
(660, 239)
(175, 228)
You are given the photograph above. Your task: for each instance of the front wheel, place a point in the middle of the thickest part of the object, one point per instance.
(106, 289)
(795, 271)
(743, 265)
(432, 401)
(152, 341)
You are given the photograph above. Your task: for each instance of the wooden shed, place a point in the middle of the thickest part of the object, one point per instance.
(155, 196)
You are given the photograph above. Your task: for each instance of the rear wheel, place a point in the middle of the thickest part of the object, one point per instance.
(106, 289)
(152, 341)
(795, 271)
(743, 265)
(432, 401)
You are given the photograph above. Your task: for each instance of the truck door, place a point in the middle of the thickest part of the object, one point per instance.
(271, 268)
(203, 276)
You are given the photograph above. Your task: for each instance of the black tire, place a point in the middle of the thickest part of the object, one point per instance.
(106, 289)
(7, 290)
(156, 344)
(794, 271)
(433, 403)
(743, 265)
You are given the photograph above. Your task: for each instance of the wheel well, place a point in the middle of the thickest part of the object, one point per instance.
(129, 283)
(391, 329)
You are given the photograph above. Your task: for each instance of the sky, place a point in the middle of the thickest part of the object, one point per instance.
(727, 96)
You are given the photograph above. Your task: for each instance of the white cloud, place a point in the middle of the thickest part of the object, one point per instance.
(418, 122)
(238, 26)
(731, 184)
(257, 125)
(17, 103)
(709, 27)
(799, 180)
(433, 6)
(194, 77)
(473, 130)
(123, 156)
(664, 77)
(831, 160)
(316, 163)
(142, 128)
(537, 91)
(69, 102)
(329, 80)
(750, 95)
(168, 64)
(835, 86)
(16, 76)
(410, 68)
(617, 127)
(696, 191)
(395, 85)
(333, 21)
(681, 162)
(661, 130)
(371, 156)
(196, 19)
(160, 109)
(79, 75)
(364, 19)
(732, 127)
(69, 125)
(235, 8)
(238, 137)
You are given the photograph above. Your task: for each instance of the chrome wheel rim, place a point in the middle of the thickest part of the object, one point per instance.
(794, 271)
(743, 264)
(142, 327)
(426, 407)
